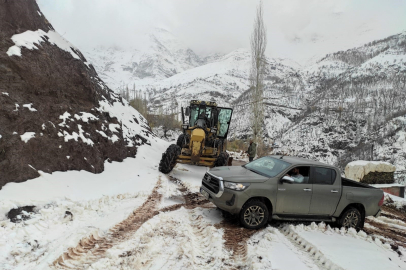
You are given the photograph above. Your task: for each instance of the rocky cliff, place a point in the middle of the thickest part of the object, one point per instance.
(56, 114)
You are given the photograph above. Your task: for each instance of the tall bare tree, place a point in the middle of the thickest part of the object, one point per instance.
(258, 47)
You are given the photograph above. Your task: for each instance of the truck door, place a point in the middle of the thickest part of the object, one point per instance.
(295, 198)
(326, 191)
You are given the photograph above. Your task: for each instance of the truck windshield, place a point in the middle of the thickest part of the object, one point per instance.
(267, 166)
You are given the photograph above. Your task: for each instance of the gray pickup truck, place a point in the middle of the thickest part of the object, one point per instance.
(290, 188)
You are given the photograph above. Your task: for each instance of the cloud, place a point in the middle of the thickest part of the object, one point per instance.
(296, 29)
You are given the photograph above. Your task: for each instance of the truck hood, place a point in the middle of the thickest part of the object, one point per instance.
(237, 174)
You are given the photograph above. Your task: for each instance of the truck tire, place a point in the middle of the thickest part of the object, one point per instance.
(222, 159)
(254, 215)
(181, 140)
(351, 218)
(169, 158)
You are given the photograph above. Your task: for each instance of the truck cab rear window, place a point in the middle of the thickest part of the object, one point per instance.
(323, 176)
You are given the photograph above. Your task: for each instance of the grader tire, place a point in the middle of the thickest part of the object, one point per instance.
(222, 159)
(169, 158)
(182, 140)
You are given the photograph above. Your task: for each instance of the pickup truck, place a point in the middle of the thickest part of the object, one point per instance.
(290, 188)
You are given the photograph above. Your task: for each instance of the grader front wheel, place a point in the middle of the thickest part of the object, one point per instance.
(222, 159)
(169, 158)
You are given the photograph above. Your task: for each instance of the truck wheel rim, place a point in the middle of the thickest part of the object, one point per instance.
(254, 215)
(351, 220)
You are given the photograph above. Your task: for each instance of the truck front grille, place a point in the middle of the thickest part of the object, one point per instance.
(211, 183)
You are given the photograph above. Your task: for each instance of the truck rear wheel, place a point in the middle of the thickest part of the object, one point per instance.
(169, 158)
(351, 218)
(222, 159)
(254, 215)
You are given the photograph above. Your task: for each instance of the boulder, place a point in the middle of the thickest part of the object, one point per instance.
(370, 172)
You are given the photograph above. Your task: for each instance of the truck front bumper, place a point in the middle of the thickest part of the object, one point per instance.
(228, 200)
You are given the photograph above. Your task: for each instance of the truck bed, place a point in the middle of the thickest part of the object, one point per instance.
(352, 183)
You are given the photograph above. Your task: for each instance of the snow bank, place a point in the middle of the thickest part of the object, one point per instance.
(133, 175)
(356, 170)
(32, 39)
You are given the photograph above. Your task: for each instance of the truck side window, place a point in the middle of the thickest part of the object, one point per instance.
(323, 176)
(300, 174)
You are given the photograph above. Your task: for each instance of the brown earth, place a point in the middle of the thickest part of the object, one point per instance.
(54, 82)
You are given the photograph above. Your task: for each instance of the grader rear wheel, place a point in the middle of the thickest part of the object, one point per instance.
(169, 158)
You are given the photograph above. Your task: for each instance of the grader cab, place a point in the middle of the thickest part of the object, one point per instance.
(203, 141)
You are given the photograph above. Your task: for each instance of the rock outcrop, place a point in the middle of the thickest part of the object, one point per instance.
(56, 114)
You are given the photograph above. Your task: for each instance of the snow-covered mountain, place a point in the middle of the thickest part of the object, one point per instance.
(159, 55)
(362, 88)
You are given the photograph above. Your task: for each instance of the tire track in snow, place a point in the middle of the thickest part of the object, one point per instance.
(393, 212)
(385, 232)
(236, 238)
(94, 246)
(312, 251)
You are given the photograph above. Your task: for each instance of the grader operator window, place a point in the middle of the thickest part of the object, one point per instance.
(197, 113)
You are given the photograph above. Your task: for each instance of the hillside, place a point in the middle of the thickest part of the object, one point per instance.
(56, 113)
(362, 88)
(357, 106)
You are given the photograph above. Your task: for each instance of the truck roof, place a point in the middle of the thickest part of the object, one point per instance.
(301, 161)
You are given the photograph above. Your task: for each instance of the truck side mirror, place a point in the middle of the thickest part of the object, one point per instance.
(287, 179)
(187, 111)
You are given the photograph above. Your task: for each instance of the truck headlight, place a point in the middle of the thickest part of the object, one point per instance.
(236, 186)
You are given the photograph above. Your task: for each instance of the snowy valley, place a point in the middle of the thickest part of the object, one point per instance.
(79, 181)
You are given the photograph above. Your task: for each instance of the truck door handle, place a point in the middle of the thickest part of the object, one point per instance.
(307, 189)
(334, 191)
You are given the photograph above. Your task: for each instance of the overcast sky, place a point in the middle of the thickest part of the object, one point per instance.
(297, 29)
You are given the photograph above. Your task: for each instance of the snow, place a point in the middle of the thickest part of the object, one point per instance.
(180, 239)
(32, 39)
(27, 136)
(29, 107)
(350, 251)
(126, 115)
(386, 185)
(64, 117)
(5, 94)
(86, 117)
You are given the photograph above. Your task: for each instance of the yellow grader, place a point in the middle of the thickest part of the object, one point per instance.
(203, 141)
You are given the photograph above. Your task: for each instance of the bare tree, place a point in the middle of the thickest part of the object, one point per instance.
(258, 46)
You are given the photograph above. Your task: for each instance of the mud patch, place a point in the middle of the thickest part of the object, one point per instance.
(396, 237)
(192, 199)
(398, 213)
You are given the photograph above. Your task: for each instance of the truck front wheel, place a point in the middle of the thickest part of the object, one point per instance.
(351, 218)
(254, 215)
